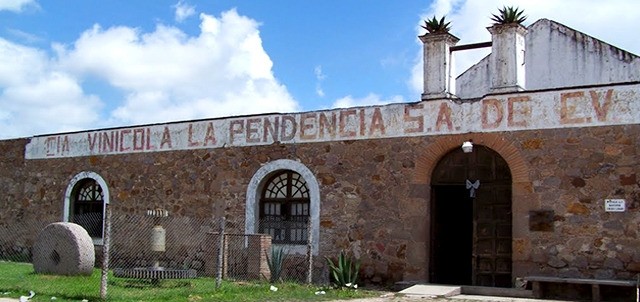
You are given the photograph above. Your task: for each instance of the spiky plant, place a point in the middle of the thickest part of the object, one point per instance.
(509, 15)
(276, 262)
(344, 271)
(434, 25)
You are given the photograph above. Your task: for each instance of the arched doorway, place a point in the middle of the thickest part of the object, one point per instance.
(84, 203)
(471, 227)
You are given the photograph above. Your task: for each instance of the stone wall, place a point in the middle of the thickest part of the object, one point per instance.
(375, 195)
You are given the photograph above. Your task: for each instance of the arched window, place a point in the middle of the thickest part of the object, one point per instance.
(309, 188)
(87, 207)
(284, 208)
(84, 203)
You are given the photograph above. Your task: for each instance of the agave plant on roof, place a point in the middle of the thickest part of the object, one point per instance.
(434, 25)
(509, 15)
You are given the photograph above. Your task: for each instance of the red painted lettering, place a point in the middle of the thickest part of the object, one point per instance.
(210, 136)
(325, 125)
(270, 128)
(149, 146)
(49, 145)
(92, 141)
(444, 117)
(307, 126)
(601, 110)
(492, 114)
(235, 127)
(190, 141)
(519, 111)
(122, 134)
(362, 125)
(344, 123)
(288, 129)
(417, 120)
(377, 123)
(252, 130)
(138, 139)
(568, 110)
(166, 138)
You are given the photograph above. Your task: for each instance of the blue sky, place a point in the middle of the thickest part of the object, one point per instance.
(76, 65)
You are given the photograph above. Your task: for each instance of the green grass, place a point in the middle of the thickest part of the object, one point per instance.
(18, 279)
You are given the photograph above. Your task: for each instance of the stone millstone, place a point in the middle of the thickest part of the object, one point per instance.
(63, 248)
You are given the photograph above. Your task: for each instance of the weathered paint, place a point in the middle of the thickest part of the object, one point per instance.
(512, 112)
(556, 56)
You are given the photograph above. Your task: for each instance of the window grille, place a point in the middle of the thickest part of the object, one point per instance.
(284, 208)
(88, 207)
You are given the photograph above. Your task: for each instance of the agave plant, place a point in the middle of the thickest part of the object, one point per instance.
(276, 263)
(509, 15)
(344, 271)
(434, 25)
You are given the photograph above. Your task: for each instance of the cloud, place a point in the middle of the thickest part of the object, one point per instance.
(319, 78)
(25, 36)
(369, 100)
(183, 11)
(151, 77)
(469, 19)
(167, 75)
(36, 99)
(16, 5)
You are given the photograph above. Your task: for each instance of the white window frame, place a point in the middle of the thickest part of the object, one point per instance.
(254, 190)
(68, 196)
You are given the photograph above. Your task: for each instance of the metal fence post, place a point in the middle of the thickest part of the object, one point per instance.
(309, 253)
(105, 252)
(220, 252)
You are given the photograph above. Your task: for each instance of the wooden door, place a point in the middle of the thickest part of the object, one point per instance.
(492, 236)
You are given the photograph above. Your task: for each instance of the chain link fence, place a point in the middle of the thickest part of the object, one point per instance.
(156, 245)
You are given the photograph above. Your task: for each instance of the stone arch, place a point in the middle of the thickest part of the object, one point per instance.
(523, 200)
(429, 158)
(68, 196)
(253, 197)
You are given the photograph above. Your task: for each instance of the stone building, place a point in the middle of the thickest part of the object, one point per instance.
(550, 186)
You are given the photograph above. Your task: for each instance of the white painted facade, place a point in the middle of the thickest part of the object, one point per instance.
(557, 56)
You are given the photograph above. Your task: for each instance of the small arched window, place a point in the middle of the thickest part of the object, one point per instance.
(284, 208)
(87, 207)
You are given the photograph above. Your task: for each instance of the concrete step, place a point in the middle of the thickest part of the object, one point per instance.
(432, 290)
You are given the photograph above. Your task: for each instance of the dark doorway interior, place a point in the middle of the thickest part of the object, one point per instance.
(452, 235)
(471, 235)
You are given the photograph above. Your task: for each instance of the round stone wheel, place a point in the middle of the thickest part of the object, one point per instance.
(63, 248)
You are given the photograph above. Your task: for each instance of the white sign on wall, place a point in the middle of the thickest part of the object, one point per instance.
(614, 205)
(598, 106)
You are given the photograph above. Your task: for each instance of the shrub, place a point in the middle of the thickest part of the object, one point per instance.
(434, 26)
(509, 15)
(344, 271)
(276, 262)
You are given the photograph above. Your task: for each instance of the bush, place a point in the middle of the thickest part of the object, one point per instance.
(345, 271)
(276, 263)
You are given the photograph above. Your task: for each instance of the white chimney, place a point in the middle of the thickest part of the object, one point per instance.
(439, 80)
(506, 65)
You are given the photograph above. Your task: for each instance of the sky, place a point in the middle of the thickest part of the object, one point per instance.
(88, 64)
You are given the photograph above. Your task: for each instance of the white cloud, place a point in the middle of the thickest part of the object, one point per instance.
(163, 75)
(319, 78)
(167, 75)
(369, 100)
(16, 5)
(35, 99)
(183, 11)
(610, 21)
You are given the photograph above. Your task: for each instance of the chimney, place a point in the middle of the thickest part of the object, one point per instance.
(506, 65)
(439, 81)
